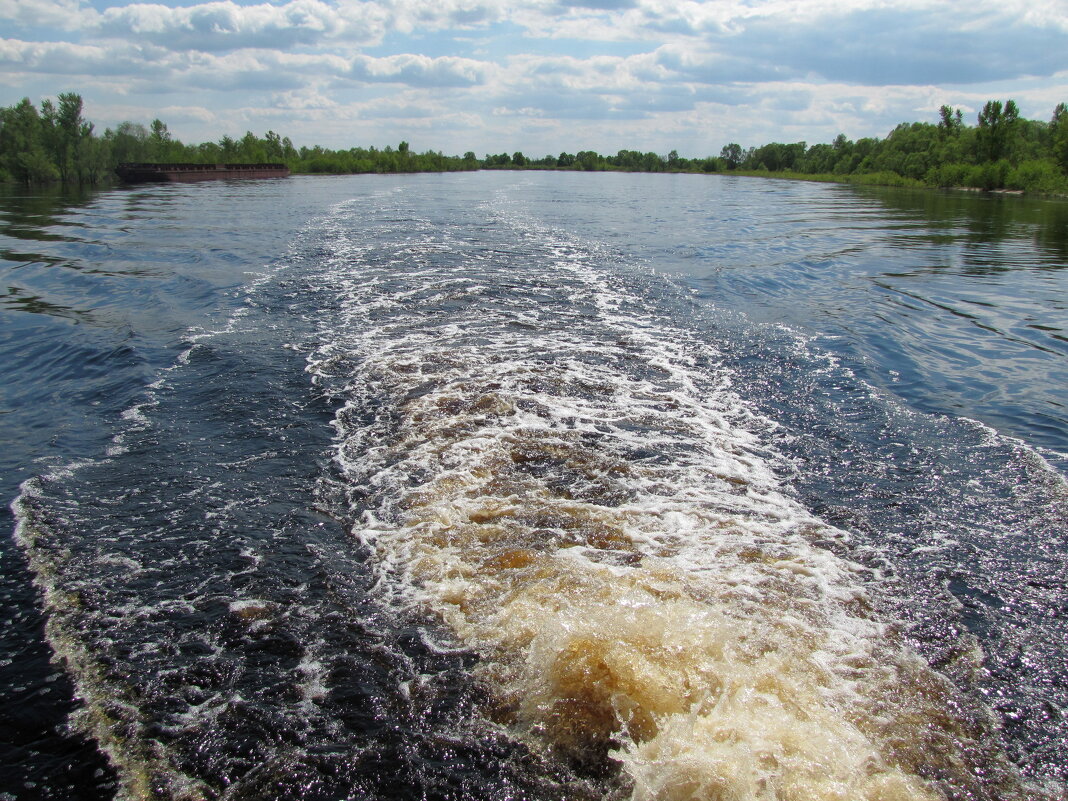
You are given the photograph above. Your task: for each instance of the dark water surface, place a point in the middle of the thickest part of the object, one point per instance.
(522, 485)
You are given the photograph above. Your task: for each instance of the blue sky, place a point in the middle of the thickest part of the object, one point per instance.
(541, 76)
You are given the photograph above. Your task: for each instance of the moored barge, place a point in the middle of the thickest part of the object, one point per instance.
(138, 173)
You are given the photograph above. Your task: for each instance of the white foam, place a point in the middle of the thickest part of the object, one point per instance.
(586, 504)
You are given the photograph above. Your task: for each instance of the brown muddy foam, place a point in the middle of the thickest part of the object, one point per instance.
(580, 499)
(692, 634)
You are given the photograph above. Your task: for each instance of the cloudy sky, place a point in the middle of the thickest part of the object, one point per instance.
(539, 76)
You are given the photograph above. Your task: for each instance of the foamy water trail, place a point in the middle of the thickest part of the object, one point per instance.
(547, 462)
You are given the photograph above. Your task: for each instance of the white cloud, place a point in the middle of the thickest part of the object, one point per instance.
(303, 101)
(411, 15)
(417, 70)
(65, 58)
(221, 26)
(185, 113)
(537, 75)
(62, 14)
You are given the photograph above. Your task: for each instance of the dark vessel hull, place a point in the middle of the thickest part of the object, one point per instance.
(165, 173)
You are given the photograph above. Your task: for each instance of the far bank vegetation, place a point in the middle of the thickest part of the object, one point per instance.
(1001, 151)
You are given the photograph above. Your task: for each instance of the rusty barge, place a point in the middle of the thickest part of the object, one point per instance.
(139, 173)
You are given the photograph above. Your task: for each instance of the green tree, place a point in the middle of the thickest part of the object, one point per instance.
(64, 130)
(129, 142)
(22, 145)
(950, 122)
(1058, 133)
(777, 156)
(652, 162)
(732, 155)
(588, 160)
(818, 159)
(94, 160)
(159, 142)
(997, 125)
(273, 149)
(251, 149)
(289, 153)
(227, 148)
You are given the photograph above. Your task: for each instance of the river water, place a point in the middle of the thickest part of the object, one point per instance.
(525, 485)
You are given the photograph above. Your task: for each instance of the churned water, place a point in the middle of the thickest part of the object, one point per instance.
(522, 485)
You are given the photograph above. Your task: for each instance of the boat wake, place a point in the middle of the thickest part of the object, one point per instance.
(568, 481)
(525, 536)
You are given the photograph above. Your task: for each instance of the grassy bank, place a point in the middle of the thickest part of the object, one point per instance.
(1043, 187)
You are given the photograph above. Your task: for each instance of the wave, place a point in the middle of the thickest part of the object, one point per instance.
(588, 577)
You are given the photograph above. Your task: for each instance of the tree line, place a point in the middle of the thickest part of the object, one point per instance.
(56, 144)
(1001, 151)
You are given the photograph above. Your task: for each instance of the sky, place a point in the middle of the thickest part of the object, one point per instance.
(537, 76)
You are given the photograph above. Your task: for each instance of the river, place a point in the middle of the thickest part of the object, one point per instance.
(533, 485)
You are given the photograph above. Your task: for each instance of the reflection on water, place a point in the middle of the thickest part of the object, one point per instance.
(40, 213)
(96, 290)
(955, 302)
(973, 311)
(18, 300)
(986, 226)
(35, 408)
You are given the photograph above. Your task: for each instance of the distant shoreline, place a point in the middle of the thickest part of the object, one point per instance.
(864, 179)
(860, 179)
(1002, 153)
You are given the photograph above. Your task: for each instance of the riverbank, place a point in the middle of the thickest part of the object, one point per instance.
(895, 180)
(889, 179)
(886, 179)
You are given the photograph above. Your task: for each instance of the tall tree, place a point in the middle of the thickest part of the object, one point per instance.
(22, 145)
(1058, 128)
(159, 142)
(950, 123)
(732, 154)
(64, 132)
(997, 124)
(129, 142)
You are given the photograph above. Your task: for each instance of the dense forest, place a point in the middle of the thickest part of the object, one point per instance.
(56, 143)
(1001, 151)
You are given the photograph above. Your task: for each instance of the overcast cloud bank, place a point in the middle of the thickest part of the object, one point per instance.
(536, 75)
